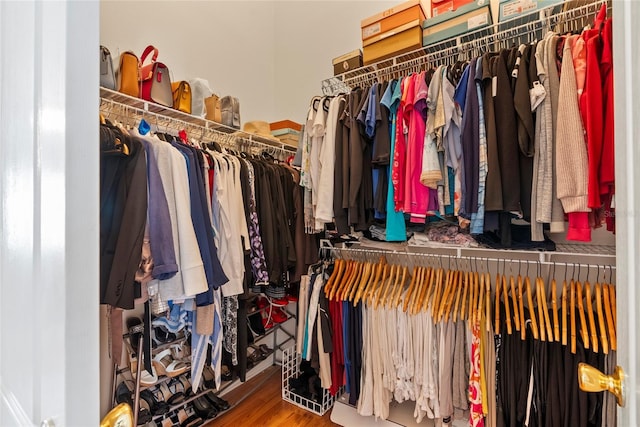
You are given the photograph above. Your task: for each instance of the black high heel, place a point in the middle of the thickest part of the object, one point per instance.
(204, 408)
(217, 402)
(156, 407)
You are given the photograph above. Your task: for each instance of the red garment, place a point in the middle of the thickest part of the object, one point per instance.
(337, 356)
(592, 103)
(607, 165)
(416, 198)
(579, 228)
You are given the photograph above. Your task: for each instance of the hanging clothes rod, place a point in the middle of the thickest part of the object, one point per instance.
(359, 254)
(459, 47)
(236, 140)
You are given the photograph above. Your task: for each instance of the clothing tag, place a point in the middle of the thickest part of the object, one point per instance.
(613, 202)
(494, 86)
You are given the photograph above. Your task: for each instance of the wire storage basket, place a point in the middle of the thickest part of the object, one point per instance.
(290, 370)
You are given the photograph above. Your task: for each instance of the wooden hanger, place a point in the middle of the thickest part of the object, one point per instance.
(496, 326)
(414, 276)
(523, 331)
(346, 276)
(353, 283)
(505, 298)
(400, 287)
(614, 312)
(371, 285)
(445, 297)
(572, 313)
(607, 311)
(545, 308)
(364, 279)
(601, 321)
(354, 271)
(465, 291)
(590, 317)
(382, 297)
(487, 300)
(455, 287)
(479, 307)
(584, 332)
(435, 304)
(413, 304)
(335, 276)
(554, 309)
(374, 296)
(516, 311)
(428, 281)
(458, 292)
(564, 312)
(539, 297)
(435, 278)
(396, 284)
(473, 302)
(532, 309)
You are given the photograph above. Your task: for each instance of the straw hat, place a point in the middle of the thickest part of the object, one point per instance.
(259, 128)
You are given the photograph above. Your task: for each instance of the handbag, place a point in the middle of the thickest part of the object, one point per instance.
(181, 96)
(212, 105)
(129, 74)
(107, 76)
(230, 111)
(156, 83)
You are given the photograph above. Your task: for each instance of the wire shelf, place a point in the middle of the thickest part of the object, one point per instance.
(291, 369)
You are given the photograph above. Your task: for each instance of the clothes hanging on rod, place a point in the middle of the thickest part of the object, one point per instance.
(194, 229)
(461, 342)
(520, 133)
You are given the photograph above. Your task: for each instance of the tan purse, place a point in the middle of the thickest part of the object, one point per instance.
(181, 96)
(212, 105)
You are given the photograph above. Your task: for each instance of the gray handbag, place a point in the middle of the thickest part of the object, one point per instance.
(230, 111)
(107, 76)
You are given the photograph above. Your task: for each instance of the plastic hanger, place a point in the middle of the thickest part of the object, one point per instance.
(590, 317)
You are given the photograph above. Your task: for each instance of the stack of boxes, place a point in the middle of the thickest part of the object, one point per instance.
(287, 131)
(405, 28)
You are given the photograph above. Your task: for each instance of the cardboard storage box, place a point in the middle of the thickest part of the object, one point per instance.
(510, 9)
(285, 124)
(472, 16)
(438, 7)
(347, 62)
(287, 136)
(403, 39)
(392, 18)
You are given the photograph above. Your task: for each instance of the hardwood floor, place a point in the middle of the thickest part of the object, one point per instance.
(265, 406)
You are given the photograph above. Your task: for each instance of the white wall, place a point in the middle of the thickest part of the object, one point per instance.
(270, 54)
(229, 43)
(309, 34)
